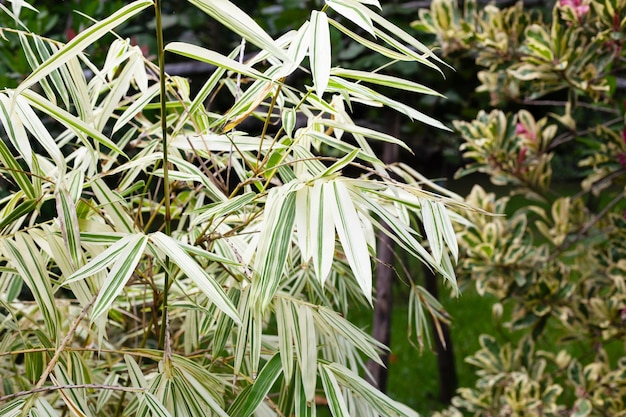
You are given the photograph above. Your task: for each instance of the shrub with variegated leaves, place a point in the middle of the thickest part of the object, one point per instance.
(157, 258)
(552, 254)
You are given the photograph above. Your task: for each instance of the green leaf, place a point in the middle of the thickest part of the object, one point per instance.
(172, 248)
(250, 398)
(81, 41)
(319, 51)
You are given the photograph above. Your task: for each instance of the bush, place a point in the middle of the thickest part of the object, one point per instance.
(554, 260)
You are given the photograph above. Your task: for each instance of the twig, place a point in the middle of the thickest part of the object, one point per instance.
(78, 386)
(64, 343)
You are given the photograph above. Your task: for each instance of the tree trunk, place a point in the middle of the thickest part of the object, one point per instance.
(384, 285)
(448, 381)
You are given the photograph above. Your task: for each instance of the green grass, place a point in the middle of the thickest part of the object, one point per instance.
(413, 375)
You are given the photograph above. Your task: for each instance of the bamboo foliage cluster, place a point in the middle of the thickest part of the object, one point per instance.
(157, 258)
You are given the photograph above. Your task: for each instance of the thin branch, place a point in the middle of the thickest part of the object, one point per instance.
(60, 387)
(64, 343)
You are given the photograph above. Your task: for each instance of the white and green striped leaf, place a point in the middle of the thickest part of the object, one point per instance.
(82, 40)
(351, 234)
(274, 243)
(252, 396)
(172, 248)
(105, 258)
(72, 122)
(353, 11)
(385, 80)
(319, 51)
(241, 23)
(66, 211)
(211, 57)
(123, 268)
(322, 231)
(336, 402)
(28, 261)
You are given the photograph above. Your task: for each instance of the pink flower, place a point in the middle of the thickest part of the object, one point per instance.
(521, 130)
(579, 9)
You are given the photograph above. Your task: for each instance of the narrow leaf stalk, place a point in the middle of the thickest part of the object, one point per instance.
(166, 181)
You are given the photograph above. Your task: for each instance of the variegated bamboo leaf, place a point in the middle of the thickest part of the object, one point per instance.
(322, 237)
(353, 10)
(350, 234)
(247, 402)
(66, 210)
(319, 51)
(171, 248)
(241, 23)
(121, 271)
(85, 38)
(336, 402)
(275, 242)
(29, 263)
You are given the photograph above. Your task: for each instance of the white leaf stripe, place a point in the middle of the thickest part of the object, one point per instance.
(112, 205)
(370, 94)
(141, 100)
(66, 210)
(171, 247)
(432, 230)
(384, 405)
(307, 348)
(119, 275)
(356, 336)
(370, 133)
(15, 130)
(319, 51)
(391, 54)
(350, 234)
